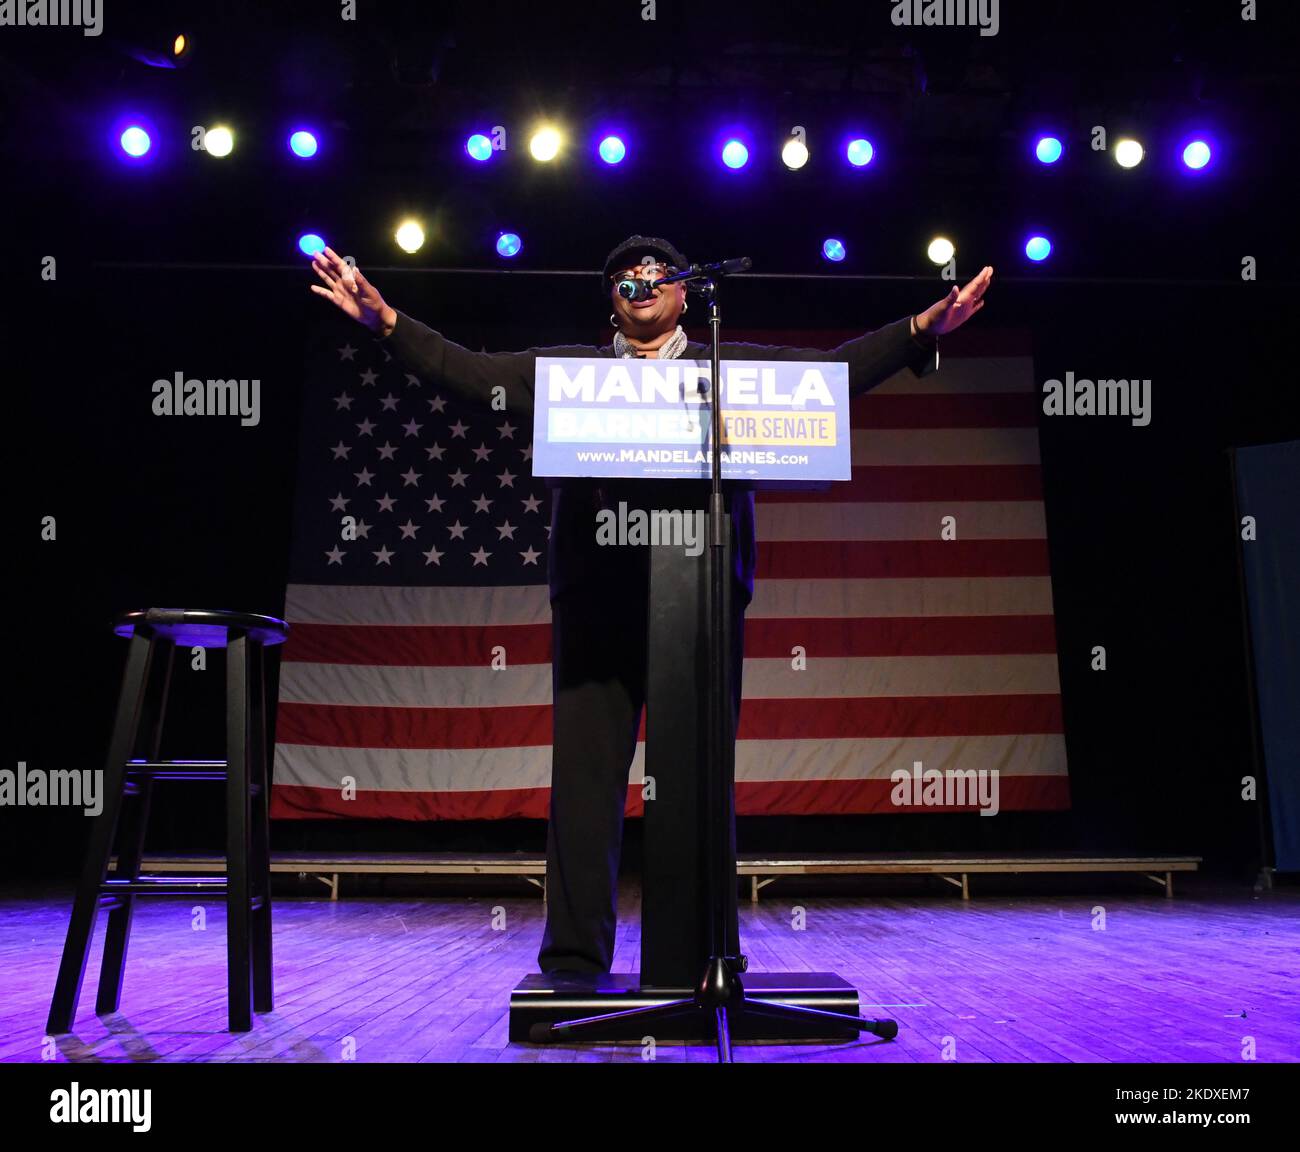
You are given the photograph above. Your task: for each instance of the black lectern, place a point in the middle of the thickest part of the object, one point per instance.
(675, 906)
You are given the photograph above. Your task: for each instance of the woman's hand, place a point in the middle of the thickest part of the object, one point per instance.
(956, 308)
(352, 292)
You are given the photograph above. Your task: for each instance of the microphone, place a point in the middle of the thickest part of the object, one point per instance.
(700, 272)
(635, 290)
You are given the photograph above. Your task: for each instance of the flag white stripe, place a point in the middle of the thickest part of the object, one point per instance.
(525, 685)
(385, 686)
(491, 769)
(414, 606)
(883, 676)
(937, 596)
(361, 605)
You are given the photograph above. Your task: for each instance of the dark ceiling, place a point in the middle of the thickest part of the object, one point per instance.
(395, 92)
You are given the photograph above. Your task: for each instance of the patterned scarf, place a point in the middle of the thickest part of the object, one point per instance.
(671, 348)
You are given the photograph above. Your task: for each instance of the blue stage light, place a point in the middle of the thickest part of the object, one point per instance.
(735, 154)
(1048, 150)
(508, 244)
(833, 250)
(309, 243)
(135, 141)
(1196, 155)
(612, 150)
(303, 143)
(859, 152)
(479, 147)
(1038, 248)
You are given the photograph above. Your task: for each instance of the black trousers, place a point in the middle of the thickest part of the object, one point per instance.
(599, 676)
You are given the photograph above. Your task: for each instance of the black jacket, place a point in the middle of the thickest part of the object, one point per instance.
(577, 564)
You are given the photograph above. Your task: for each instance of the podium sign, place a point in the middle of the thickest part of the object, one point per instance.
(651, 420)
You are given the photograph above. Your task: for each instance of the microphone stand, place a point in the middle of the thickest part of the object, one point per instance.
(719, 995)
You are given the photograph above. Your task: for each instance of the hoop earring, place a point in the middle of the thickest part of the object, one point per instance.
(685, 304)
(613, 320)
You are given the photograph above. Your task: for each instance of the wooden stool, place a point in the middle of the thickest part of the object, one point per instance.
(130, 770)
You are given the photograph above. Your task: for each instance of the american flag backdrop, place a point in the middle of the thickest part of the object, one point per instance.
(917, 648)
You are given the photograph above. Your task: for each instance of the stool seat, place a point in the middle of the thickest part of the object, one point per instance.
(201, 627)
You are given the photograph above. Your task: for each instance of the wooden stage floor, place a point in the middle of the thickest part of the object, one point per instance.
(1000, 979)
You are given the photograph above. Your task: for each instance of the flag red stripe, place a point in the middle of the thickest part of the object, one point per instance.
(901, 716)
(765, 798)
(344, 726)
(899, 483)
(899, 559)
(417, 645)
(900, 636)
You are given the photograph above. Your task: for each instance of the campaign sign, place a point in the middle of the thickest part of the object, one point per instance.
(651, 419)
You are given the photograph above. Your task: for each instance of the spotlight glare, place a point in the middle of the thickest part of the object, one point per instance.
(1196, 155)
(1048, 150)
(545, 144)
(941, 250)
(612, 150)
(409, 236)
(303, 143)
(1038, 248)
(735, 154)
(179, 45)
(309, 243)
(859, 152)
(135, 141)
(479, 147)
(833, 250)
(508, 244)
(795, 154)
(218, 141)
(1128, 153)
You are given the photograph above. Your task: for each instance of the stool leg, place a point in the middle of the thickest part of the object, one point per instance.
(260, 860)
(85, 904)
(238, 955)
(132, 823)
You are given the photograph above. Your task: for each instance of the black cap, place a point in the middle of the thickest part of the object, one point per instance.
(636, 247)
